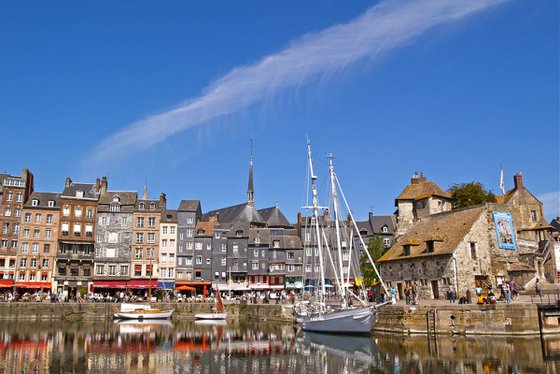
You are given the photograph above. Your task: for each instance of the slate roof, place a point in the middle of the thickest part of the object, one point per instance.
(555, 223)
(237, 213)
(263, 233)
(206, 226)
(448, 229)
(421, 191)
(274, 217)
(169, 216)
(127, 200)
(88, 188)
(44, 198)
(189, 206)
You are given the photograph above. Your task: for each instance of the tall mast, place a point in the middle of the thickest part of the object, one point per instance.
(337, 224)
(316, 215)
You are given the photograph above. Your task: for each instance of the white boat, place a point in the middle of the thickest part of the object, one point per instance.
(218, 314)
(141, 311)
(331, 238)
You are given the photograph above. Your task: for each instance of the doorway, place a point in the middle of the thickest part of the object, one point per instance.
(435, 289)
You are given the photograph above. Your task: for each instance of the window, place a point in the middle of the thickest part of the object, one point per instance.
(534, 216)
(46, 248)
(406, 250)
(22, 276)
(37, 218)
(17, 212)
(77, 229)
(257, 240)
(473, 250)
(190, 220)
(188, 261)
(124, 221)
(151, 222)
(256, 253)
(152, 206)
(172, 230)
(308, 251)
(198, 260)
(50, 203)
(89, 215)
(431, 245)
(24, 247)
(61, 270)
(89, 230)
(98, 238)
(4, 243)
(189, 233)
(140, 222)
(36, 233)
(164, 257)
(189, 246)
(65, 228)
(346, 255)
(208, 261)
(124, 270)
(19, 197)
(172, 243)
(45, 263)
(307, 237)
(150, 253)
(384, 229)
(164, 229)
(239, 233)
(181, 236)
(151, 237)
(138, 270)
(27, 218)
(14, 243)
(290, 268)
(235, 248)
(386, 242)
(172, 257)
(198, 274)
(112, 269)
(102, 221)
(16, 228)
(48, 233)
(78, 212)
(171, 273)
(23, 262)
(139, 237)
(66, 211)
(33, 263)
(99, 269)
(224, 247)
(5, 228)
(308, 268)
(26, 233)
(34, 202)
(224, 259)
(164, 243)
(139, 253)
(217, 235)
(115, 207)
(9, 196)
(79, 193)
(255, 265)
(35, 248)
(8, 212)
(198, 246)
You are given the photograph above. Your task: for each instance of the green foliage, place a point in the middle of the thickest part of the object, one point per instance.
(376, 249)
(469, 194)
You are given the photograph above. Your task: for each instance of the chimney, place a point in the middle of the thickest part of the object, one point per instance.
(414, 179)
(104, 184)
(422, 178)
(68, 182)
(97, 184)
(162, 201)
(518, 181)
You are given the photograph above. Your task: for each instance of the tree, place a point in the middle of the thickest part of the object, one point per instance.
(376, 249)
(468, 194)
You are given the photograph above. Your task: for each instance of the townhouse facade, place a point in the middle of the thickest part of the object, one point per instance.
(167, 250)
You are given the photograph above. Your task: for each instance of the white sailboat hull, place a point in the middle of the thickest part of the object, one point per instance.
(144, 314)
(214, 316)
(347, 321)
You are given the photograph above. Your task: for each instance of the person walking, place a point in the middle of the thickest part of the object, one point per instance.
(538, 288)
(507, 290)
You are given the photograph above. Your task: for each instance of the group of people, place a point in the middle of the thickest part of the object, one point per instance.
(508, 291)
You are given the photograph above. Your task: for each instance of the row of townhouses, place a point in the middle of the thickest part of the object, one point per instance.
(92, 239)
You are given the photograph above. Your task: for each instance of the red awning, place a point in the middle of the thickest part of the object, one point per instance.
(6, 283)
(110, 284)
(193, 283)
(33, 284)
(141, 283)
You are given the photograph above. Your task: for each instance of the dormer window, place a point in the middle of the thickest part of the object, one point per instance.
(34, 202)
(239, 233)
(406, 250)
(79, 193)
(50, 204)
(276, 244)
(116, 199)
(431, 246)
(384, 229)
(363, 232)
(152, 206)
(201, 232)
(257, 240)
(115, 207)
(142, 206)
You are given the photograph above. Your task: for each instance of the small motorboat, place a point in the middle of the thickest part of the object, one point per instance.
(218, 314)
(141, 311)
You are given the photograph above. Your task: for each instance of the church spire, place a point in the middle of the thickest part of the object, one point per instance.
(145, 194)
(250, 190)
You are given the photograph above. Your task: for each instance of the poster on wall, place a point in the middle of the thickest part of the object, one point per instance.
(505, 231)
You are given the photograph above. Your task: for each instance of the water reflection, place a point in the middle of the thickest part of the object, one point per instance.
(215, 347)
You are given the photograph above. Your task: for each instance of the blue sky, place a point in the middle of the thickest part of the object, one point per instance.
(174, 91)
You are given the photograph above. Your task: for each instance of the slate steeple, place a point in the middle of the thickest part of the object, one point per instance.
(250, 190)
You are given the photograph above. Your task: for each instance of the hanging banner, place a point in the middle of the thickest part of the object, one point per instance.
(505, 231)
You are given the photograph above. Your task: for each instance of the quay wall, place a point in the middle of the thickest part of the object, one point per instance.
(498, 319)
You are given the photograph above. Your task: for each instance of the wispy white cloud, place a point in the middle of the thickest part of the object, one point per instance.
(551, 202)
(379, 30)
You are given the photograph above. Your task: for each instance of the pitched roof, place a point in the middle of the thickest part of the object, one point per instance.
(125, 197)
(189, 205)
(168, 216)
(238, 213)
(87, 188)
(446, 229)
(274, 217)
(206, 226)
(43, 198)
(420, 191)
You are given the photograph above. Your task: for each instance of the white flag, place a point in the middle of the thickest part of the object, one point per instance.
(502, 185)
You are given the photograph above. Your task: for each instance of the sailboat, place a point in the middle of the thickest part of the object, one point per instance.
(340, 316)
(218, 314)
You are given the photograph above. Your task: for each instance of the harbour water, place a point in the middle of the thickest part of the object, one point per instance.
(239, 347)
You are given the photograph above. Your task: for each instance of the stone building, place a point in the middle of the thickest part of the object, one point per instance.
(145, 247)
(113, 240)
(167, 249)
(418, 200)
(74, 260)
(14, 192)
(39, 241)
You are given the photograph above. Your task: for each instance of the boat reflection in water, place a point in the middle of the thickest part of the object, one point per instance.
(185, 346)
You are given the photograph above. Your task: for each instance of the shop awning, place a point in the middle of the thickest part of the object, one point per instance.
(259, 286)
(33, 284)
(120, 284)
(6, 283)
(185, 288)
(166, 285)
(141, 283)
